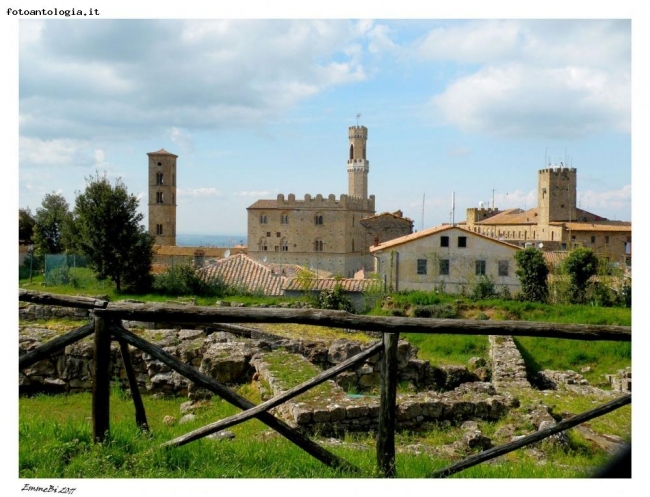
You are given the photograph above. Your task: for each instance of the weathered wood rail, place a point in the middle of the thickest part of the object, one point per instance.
(107, 326)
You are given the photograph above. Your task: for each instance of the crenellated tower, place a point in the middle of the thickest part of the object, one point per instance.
(162, 196)
(556, 194)
(358, 165)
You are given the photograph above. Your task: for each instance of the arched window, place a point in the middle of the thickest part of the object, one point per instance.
(263, 219)
(284, 219)
(159, 179)
(351, 151)
(159, 198)
(318, 245)
(284, 245)
(263, 245)
(318, 219)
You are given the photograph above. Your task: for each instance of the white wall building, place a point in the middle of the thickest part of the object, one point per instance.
(447, 258)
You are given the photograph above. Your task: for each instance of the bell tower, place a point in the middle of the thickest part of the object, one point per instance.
(358, 165)
(162, 196)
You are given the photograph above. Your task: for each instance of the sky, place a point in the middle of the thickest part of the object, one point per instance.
(258, 107)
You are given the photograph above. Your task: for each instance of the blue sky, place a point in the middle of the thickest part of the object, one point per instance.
(255, 108)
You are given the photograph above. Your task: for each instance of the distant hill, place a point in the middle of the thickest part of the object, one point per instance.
(194, 240)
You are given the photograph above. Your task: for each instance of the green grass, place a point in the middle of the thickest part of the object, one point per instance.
(448, 349)
(55, 442)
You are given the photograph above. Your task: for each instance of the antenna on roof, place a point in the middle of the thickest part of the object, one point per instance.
(422, 226)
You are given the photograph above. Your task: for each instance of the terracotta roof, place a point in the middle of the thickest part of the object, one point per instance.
(431, 231)
(175, 250)
(384, 214)
(246, 274)
(512, 216)
(555, 258)
(598, 226)
(162, 151)
(320, 284)
(265, 204)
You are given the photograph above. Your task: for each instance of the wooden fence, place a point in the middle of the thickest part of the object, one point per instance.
(107, 326)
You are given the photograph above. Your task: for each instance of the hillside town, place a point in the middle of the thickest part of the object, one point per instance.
(344, 241)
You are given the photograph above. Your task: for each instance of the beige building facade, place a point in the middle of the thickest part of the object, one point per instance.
(556, 223)
(445, 258)
(162, 197)
(324, 233)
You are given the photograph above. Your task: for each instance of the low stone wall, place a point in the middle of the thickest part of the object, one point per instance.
(33, 312)
(331, 412)
(508, 367)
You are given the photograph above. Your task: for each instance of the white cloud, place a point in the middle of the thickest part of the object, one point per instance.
(607, 203)
(48, 152)
(550, 79)
(253, 193)
(516, 100)
(199, 192)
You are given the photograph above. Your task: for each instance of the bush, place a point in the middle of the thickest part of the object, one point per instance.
(183, 279)
(483, 289)
(334, 299)
(439, 311)
(532, 273)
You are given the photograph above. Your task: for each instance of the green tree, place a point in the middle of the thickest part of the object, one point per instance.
(26, 224)
(581, 264)
(51, 224)
(532, 272)
(108, 230)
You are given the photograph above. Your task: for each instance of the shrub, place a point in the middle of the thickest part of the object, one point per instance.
(439, 311)
(483, 289)
(183, 279)
(532, 273)
(581, 264)
(335, 299)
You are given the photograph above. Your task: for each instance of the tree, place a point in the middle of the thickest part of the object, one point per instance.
(51, 223)
(108, 230)
(581, 264)
(532, 272)
(26, 224)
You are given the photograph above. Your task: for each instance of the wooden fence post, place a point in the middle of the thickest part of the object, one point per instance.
(101, 380)
(140, 414)
(387, 407)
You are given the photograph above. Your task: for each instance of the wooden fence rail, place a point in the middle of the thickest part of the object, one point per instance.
(107, 326)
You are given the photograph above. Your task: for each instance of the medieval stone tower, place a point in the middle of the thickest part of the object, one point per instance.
(556, 194)
(358, 166)
(162, 196)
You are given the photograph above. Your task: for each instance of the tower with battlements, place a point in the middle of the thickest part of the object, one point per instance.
(358, 165)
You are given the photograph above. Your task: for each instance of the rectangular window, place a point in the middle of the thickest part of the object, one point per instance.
(503, 268)
(444, 267)
(593, 239)
(607, 239)
(444, 241)
(480, 268)
(268, 234)
(278, 234)
(422, 266)
(462, 241)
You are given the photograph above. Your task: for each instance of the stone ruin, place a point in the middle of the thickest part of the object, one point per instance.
(453, 393)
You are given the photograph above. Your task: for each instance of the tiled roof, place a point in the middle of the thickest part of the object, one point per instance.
(431, 231)
(387, 214)
(169, 250)
(599, 226)
(512, 216)
(264, 204)
(162, 151)
(244, 273)
(554, 258)
(320, 284)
